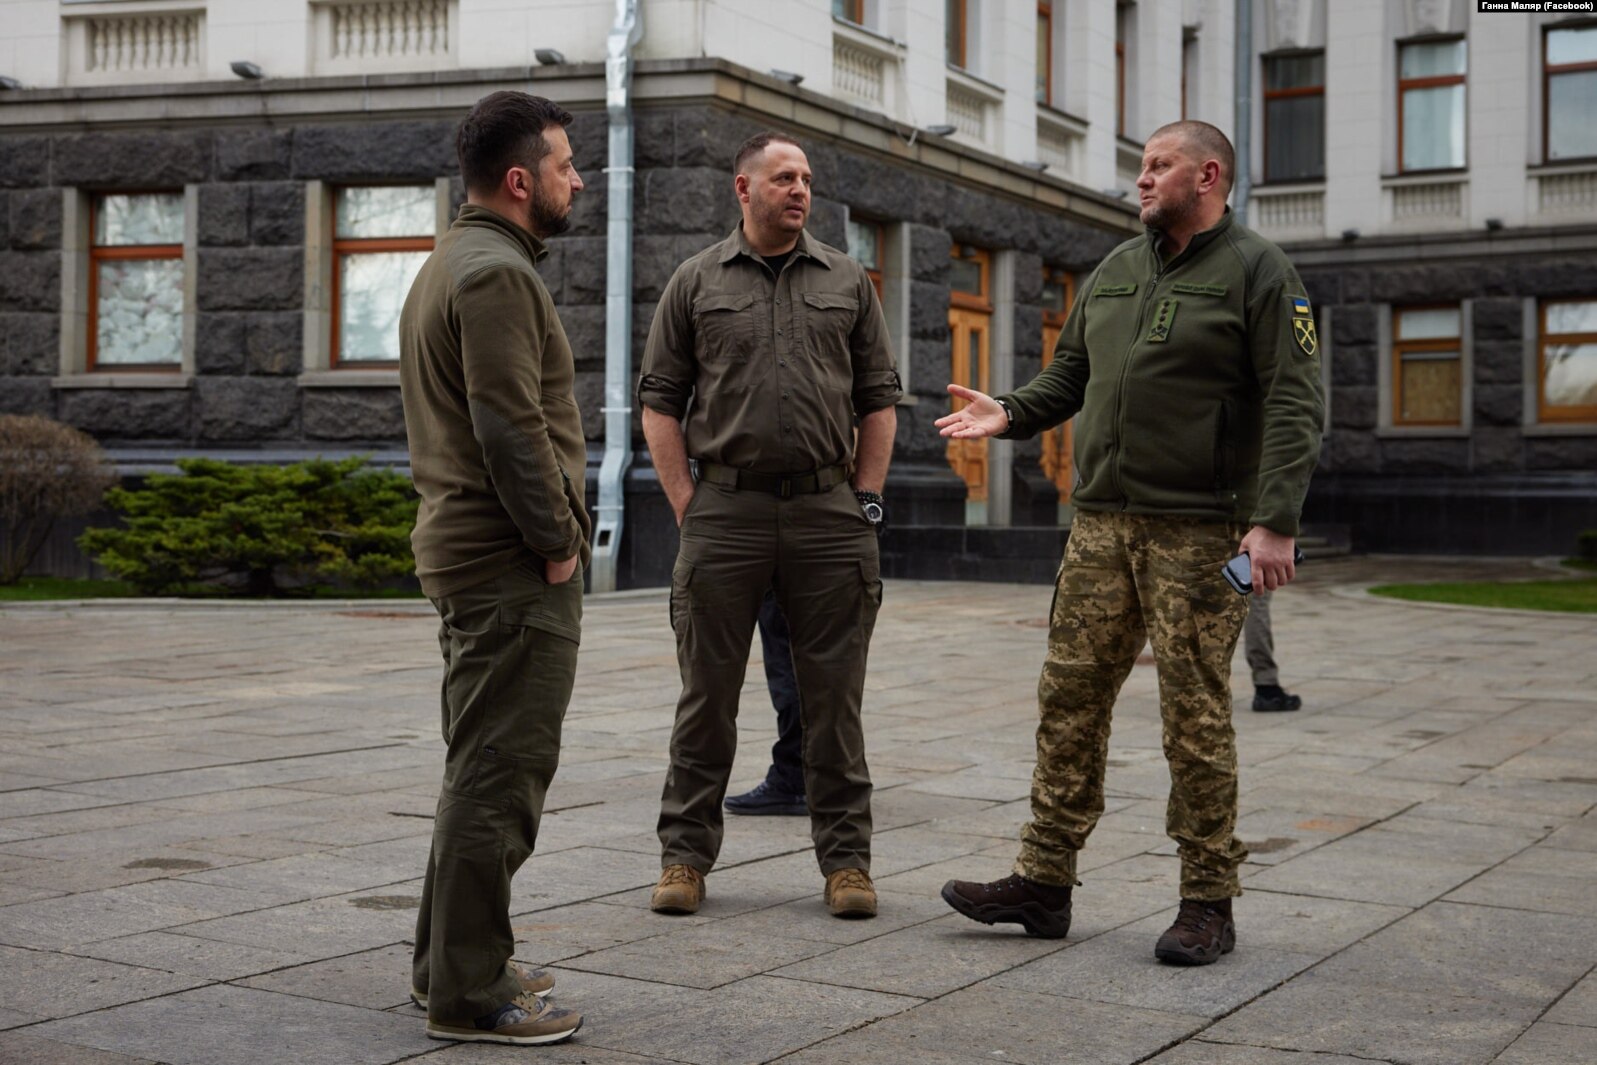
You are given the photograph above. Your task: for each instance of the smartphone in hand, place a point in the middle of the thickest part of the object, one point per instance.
(1238, 572)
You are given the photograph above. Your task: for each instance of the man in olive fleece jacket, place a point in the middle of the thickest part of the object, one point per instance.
(496, 449)
(1192, 360)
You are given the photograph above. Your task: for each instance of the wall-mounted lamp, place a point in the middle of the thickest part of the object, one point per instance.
(787, 76)
(549, 57)
(247, 70)
(1494, 224)
(1035, 164)
(8, 84)
(1114, 194)
(1350, 235)
(943, 130)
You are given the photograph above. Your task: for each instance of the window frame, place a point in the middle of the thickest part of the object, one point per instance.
(1297, 92)
(983, 258)
(98, 254)
(1548, 73)
(1547, 414)
(956, 34)
(1045, 37)
(1122, 31)
(1437, 81)
(879, 233)
(1403, 348)
(344, 246)
(854, 11)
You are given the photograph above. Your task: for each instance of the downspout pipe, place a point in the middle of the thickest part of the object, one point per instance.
(617, 409)
(1242, 188)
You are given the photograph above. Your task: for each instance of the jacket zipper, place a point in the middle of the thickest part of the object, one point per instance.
(1120, 391)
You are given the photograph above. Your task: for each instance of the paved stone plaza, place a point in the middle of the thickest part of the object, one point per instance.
(213, 820)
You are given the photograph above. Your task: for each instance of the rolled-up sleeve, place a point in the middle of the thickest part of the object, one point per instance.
(876, 383)
(668, 372)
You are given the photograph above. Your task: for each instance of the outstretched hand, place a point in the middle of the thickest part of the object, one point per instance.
(980, 416)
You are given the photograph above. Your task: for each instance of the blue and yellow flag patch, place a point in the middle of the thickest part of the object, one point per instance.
(1303, 326)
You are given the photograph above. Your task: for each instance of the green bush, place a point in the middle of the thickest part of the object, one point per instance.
(47, 471)
(1586, 546)
(259, 530)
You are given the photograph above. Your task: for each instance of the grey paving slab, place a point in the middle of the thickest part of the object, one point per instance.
(700, 955)
(1578, 1006)
(1203, 1052)
(59, 985)
(577, 1051)
(240, 1026)
(1542, 878)
(926, 961)
(1306, 924)
(376, 979)
(1120, 967)
(1322, 1013)
(191, 956)
(545, 937)
(26, 1048)
(1546, 1043)
(1002, 1024)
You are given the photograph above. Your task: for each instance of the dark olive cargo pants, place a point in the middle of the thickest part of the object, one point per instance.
(510, 656)
(818, 553)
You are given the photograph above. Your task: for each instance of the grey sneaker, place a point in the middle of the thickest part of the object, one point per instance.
(526, 1020)
(540, 982)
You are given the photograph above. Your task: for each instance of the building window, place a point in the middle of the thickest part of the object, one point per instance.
(1122, 33)
(1567, 363)
(1430, 111)
(381, 236)
(1045, 52)
(1427, 366)
(136, 281)
(1189, 69)
(1294, 117)
(955, 31)
(1569, 93)
(849, 10)
(866, 246)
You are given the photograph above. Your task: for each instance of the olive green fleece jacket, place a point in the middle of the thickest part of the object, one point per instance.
(486, 374)
(1197, 382)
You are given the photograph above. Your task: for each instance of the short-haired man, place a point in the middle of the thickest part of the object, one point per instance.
(765, 350)
(497, 452)
(1192, 361)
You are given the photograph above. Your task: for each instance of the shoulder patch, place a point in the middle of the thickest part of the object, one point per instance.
(1300, 307)
(1303, 333)
(1114, 290)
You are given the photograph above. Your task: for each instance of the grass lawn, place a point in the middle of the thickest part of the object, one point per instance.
(42, 588)
(1572, 596)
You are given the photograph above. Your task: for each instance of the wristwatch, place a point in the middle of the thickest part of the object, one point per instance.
(871, 504)
(1009, 415)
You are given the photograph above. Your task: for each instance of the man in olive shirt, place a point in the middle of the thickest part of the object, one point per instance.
(496, 450)
(765, 350)
(1193, 362)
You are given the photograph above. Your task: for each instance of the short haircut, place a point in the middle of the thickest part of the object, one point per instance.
(757, 144)
(1207, 142)
(505, 129)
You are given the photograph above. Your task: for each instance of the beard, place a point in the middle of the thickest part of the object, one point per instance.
(773, 218)
(1171, 213)
(545, 217)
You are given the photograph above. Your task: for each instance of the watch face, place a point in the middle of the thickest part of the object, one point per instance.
(873, 513)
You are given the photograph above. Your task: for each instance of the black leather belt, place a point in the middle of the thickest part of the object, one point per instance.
(784, 485)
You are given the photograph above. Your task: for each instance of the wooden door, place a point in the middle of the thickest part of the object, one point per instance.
(971, 331)
(1058, 294)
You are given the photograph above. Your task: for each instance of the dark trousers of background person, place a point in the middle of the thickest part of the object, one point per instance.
(510, 659)
(787, 753)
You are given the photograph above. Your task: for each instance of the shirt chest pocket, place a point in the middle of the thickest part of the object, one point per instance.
(725, 328)
(829, 318)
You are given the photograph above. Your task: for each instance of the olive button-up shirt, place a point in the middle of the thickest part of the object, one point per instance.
(769, 372)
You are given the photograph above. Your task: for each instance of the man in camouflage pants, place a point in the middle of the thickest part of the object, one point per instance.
(1193, 362)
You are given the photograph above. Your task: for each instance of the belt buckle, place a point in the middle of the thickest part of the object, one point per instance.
(785, 489)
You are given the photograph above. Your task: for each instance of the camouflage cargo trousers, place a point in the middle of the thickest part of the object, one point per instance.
(1127, 578)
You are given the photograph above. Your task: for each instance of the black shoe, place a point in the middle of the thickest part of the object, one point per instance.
(1272, 700)
(766, 798)
(1041, 909)
(1203, 931)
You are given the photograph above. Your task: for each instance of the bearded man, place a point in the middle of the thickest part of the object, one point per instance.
(1192, 361)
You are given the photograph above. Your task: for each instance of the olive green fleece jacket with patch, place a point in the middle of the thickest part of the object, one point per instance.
(1197, 383)
(486, 375)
